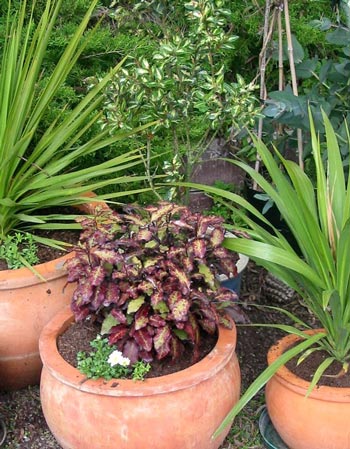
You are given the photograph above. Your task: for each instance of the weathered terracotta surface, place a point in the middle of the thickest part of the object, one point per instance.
(27, 303)
(177, 411)
(320, 421)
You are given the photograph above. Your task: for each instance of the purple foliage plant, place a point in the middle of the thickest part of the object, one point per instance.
(149, 276)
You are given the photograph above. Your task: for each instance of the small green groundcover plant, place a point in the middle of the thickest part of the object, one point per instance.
(107, 362)
(150, 278)
(18, 250)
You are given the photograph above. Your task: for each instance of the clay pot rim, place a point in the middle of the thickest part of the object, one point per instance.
(193, 375)
(24, 277)
(51, 270)
(297, 384)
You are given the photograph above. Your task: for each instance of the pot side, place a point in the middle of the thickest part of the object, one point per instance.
(177, 411)
(27, 303)
(319, 421)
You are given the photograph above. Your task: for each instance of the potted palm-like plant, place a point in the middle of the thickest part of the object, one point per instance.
(149, 279)
(308, 413)
(38, 175)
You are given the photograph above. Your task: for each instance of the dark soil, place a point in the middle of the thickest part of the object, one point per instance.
(78, 335)
(21, 409)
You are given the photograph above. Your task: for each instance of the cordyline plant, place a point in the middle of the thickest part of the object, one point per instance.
(319, 218)
(38, 166)
(149, 276)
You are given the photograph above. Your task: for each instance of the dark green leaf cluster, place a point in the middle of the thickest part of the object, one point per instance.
(324, 85)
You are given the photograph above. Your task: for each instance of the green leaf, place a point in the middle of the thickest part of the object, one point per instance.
(318, 373)
(264, 377)
(135, 304)
(108, 323)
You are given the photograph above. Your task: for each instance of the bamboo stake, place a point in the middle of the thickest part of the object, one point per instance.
(294, 79)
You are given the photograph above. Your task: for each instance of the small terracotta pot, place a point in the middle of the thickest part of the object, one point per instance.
(177, 411)
(319, 421)
(27, 303)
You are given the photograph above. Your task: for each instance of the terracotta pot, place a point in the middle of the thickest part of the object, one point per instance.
(177, 411)
(319, 421)
(27, 303)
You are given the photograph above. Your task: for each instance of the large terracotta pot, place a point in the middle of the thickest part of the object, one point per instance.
(319, 421)
(27, 303)
(178, 411)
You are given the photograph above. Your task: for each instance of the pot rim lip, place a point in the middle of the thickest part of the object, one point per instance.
(24, 277)
(206, 368)
(52, 269)
(296, 383)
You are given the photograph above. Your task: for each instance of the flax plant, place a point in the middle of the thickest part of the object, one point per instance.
(318, 215)
(37, 165)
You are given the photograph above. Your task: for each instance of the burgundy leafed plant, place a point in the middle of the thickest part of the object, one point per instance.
(149, 275)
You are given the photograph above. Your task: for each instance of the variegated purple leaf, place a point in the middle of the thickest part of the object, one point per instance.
(161, 341)
(176, 348)
(228, 267)
(146, 356)
(97, 275)
(135, 219)
(156, 321)
(205, 222)
(179, 306)
(83, 293)
(117, 333)
(98, 297)
(175, 253)
(181, 277)
(225, 321)
(118, 315)
(112, 294)
(209, 314)
(192, 329)
(146, 287)
(182, 224)
(157, 297)
(144, 235)
(80, 312)
(199, 248)
(131, 350)
(237, 314)
(143, 339)
(106, 255)
(208, 325)
(187, 264)
(217, 237)
(119, 275)
(142, 317)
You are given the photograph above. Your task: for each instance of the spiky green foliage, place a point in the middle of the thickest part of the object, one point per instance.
(38, 169)
(319, 218)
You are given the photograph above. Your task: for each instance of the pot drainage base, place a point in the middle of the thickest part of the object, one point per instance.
(270, 437)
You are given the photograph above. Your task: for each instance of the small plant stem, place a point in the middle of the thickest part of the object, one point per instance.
(147, 164)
